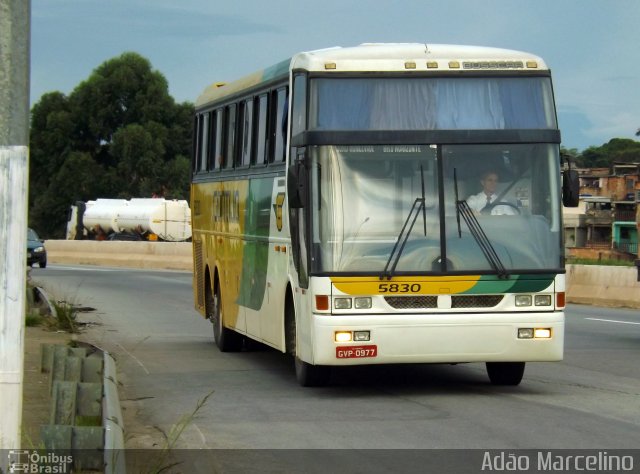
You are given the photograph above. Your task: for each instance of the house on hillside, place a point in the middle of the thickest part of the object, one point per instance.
(608, 217)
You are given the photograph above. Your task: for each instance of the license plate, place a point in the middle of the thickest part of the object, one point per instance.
(356, 352)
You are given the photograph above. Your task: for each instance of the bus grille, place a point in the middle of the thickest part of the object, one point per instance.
(412, 302)
(475, 301)
(457, 301)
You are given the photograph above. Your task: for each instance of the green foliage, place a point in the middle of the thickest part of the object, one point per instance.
(65, 315)
(33, 319)
(616, 150)
(603, 261)
(59, 315)
(163, 462)
(119, 134)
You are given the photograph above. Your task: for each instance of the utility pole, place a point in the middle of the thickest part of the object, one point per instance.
(15, 21)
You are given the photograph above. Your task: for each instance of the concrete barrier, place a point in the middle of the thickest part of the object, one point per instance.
(587, 284)
(603, 285)
(158, 255)
(76, 422)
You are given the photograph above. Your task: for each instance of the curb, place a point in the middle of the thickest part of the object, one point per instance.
(114, 457)
(69, 369)
(43, 296)
(83, 383)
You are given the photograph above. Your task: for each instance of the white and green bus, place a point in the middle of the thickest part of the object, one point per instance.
(333, 219)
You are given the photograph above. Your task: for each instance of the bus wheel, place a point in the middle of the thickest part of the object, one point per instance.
(312, 375)
(307, 375)
(226, 339)
(505, 373)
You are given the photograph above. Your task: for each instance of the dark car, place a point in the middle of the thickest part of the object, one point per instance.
(35, 250)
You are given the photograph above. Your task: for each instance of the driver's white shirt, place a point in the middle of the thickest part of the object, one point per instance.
(477, 202)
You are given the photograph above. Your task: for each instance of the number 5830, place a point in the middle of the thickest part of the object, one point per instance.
(399, 287)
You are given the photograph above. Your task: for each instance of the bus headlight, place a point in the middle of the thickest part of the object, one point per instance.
(523, 300)
(534, 333)
(342, 303)
(542, 300)
(542, 333)
(525, 333)
(362, 303)
(343, 336)
(360, 336)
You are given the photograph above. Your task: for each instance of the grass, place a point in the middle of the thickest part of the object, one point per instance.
(162, 460)
(602, 261)
(60, 315)
(33, 319)
(65, 316)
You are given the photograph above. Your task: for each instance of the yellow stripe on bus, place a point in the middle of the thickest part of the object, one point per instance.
(419, 285)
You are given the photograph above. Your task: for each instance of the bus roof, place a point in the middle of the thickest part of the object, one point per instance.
(384, 57)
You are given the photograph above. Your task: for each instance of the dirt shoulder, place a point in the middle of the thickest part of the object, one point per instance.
(36, 400)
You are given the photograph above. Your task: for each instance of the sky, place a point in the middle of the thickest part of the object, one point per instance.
(591, 46)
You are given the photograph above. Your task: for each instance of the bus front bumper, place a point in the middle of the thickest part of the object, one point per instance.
(438, 338)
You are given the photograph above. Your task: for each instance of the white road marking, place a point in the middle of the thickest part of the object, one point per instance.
(202, 436)
(81, 269)
(133, 357)
(612, 321)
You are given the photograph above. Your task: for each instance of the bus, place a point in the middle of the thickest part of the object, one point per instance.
(332, 216)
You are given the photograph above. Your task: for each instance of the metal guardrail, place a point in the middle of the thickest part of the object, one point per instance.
(628, 247)
(598, 244)
(624, 216)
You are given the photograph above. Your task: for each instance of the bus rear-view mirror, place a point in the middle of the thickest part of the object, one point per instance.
(297, 186)
(570, 188)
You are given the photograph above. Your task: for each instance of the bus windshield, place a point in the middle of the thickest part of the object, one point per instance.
(428, 103)
(363, 196)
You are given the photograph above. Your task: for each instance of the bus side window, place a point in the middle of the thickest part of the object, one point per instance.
(278, 124)
(247, 135)
(204, 131)
(299, 106)
(218, 150)
(212, 141)
(260, 130)
(230, 132)
(196, 137)
(239, 138)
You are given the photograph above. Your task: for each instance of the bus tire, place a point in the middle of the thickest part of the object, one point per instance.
(226, 339)
(505, 373)
(289, 325)
(309, 375)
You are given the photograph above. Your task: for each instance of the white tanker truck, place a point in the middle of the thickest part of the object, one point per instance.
(134, 219)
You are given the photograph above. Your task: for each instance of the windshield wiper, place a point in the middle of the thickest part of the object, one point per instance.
(418, 205)
(463, 209)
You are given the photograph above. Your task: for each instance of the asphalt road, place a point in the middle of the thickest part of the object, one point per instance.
(167, 363)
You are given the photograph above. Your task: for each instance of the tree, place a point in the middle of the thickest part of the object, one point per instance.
(50, 140)
(616, 150)
(118, 134)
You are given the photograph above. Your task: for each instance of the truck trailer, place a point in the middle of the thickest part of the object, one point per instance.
(133, 219)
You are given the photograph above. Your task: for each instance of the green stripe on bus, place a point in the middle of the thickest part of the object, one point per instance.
(514, 284)
(255, 254)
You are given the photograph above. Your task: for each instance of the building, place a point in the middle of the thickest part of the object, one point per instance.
(607, 221)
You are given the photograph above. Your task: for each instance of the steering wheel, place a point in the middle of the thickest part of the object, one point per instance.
(489, 208)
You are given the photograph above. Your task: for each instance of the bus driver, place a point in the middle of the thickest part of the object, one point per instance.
(484, 201)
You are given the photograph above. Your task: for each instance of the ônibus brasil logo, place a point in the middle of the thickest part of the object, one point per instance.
(26, 461)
